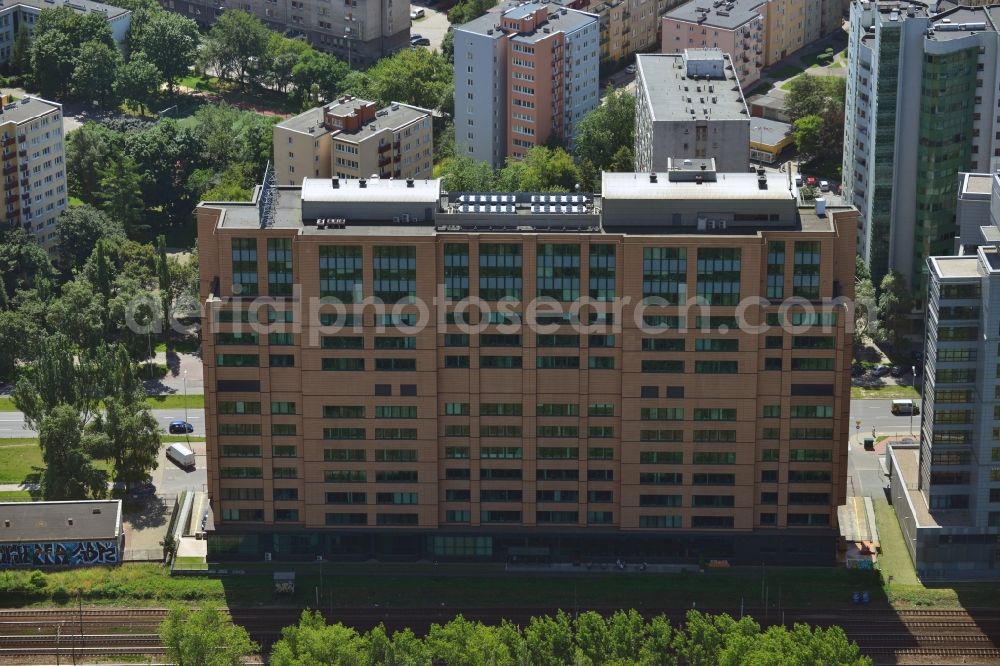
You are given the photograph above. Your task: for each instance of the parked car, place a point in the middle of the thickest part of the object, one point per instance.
(142, 490)
(630, 69)
(417, 40)
(416, 14)
(824, 186)
(811, 181)
(882, 371)
(857, 370)
(181, 455)
(896, 371)
(178, 427)
(798, 180)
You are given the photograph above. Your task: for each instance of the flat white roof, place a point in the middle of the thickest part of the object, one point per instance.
(740, 186)
(374, 190)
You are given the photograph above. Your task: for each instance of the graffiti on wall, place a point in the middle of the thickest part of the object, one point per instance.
(58, 553)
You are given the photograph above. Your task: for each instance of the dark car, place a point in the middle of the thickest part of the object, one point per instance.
(178, 427)
(857, 370)
(896, 371)
(882, 371)
(417, 40)
(142, 490)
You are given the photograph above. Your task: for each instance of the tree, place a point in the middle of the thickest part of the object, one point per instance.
(69, 472)
(17, 335)
(88, 149)
(542, 169)
(79, 230)
(58, 376)
(23, 263)
(237, 44)
(464, 174)
(448, 45)
(606, 130)
(204, 638)
(79, 27)
(163, 271)
(413, 76)
(865, 310)
(812, 95)
(314, 68)
(79, 314)
(20, 55)
(95, 73)
(138, 81)
(121, 196)
(465, 11)
(895, 303)
(808, 131)
(131, 437)
(52, 63)
(170, 42)
(282, 56)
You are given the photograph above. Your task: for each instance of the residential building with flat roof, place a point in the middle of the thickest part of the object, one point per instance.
(34, 175)
(349, 138)
(946, 489)
(359, 32)
(769, 138)
(76, 533)
(626, 26)
(523, 74)
(537, 378)
(24, 13)
(897, 54)
(690, 105)
(756, 33)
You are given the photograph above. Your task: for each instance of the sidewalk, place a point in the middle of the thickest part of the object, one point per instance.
(174, 381)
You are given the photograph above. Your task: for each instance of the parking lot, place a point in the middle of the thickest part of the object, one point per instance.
(434, 25)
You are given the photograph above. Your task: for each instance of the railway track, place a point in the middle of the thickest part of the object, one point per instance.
(882, 634)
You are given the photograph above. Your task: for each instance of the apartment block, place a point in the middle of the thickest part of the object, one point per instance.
(756, 33)
(946, 489)
(34, 175)
(922, 89)
(358, 32)
(736, 28)
(690, 105)
(523, 75)
(24, 13)
(350, 138)
(626, 26)
(537, 379)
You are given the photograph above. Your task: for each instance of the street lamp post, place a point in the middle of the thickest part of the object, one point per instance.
(185, 397)
(913, 370)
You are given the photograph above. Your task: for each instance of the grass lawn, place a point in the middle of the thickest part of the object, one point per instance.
(884, 392)
(180, 438)
(786, 72)
(190, 564)
(75, 201)
(18, 459)
(186, 346)
(16, 496)
(7, 404)
(176, 401)
(356, 585)
(150, 370)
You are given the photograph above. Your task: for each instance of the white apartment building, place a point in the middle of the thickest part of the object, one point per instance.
(25, 13)
(34, 173)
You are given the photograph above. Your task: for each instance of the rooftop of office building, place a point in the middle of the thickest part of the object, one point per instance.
(908, 9)
(697, 84)
(976, 184)
(958, 21)
(82, 6)
(728, 14)
(25, 109)
(689, 198)
(87, 519)
(955, 267)
(360, 114)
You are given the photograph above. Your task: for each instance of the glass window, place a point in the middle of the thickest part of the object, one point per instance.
(806, 271)
(776, 269)
(340, 272)
(664, 273)
(279, 266)
(602, 272)
(456, 271)
(244, 256)
(500, 271)
(719, 275)
(394, 273)
(558, 271)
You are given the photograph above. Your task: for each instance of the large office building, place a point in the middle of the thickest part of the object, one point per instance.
(923, 104)
(22, 14)
(946, 489)
(358, 32)
(537, 380)
(351, 138)
(690, 105)
(756, 33)
(34, 175)
(523, 75)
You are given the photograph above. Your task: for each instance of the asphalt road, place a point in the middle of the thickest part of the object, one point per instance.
(12, 423)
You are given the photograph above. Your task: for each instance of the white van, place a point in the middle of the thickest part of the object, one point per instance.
(181, 455)
(905, 407)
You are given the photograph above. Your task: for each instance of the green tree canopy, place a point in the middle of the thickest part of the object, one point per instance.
(169, 41)
(95, 73)
(52, 63)
(121, 195)
(813, 95)
(808, 133)
(413, 76)
(23, 263)
(138, 81)
(204, 638)
(236, 45)
(895, 304)
(66, 450)
(464, 174)
(606, 130)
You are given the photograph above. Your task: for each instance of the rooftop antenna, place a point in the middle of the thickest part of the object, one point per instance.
(268, 198)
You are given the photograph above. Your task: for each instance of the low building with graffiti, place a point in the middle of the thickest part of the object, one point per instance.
(61, 534)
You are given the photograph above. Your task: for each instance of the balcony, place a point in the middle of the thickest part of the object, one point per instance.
(397, 173)
(8, 142)
(9, 170)
(22, 153)
(24, 182)
(382, 161)
(22, 138)
(384, 147)
(12, 198)
(396, 145)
